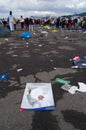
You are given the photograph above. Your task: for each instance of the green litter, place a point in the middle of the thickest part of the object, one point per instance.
(62, 81)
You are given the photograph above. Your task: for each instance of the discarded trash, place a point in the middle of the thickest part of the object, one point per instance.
(27, 43)
(6, 39)
(62, 81)
(46, 27)
(81, 63)
(54, 68)
(15, 55)
(54, 30)
(82, 87)
(66, 87)
(18, 70)
(38, 96)
(73, 89)
(66, 37)
(26, 35)
(44, 32)
(74, 67)
(40, 45)
(84, 31)
(3, 77)
(51, 60)
(76, 58)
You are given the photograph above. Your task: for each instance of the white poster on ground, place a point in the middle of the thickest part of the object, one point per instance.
(38, 96)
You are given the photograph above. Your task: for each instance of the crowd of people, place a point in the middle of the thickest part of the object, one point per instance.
(75, 22)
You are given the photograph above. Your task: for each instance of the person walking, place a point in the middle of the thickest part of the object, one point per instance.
(11, 19)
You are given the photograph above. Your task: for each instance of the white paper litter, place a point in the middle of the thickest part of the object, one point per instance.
(82, 87)
(18, 70)
(44, 32)
(73, 89)
(66, 87)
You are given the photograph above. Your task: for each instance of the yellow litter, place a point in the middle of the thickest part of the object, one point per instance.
(46, 27)
(54, 30)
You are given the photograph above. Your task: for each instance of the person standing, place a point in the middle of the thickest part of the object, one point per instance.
(11, 19)
(15, 22)
(22, 22)
(31, 22)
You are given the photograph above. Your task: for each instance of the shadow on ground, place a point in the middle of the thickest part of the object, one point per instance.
(44, 120)
(77, 119)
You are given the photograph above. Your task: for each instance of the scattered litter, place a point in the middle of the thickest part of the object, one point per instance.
(74, 67)
(18, 70)
(26, 35)
(51, 60)
(54, 68)
(15, 55)
(54, 30)
(66, 37)
(6, 39)
(44, 32)
(46, 27)
(84, 32)
(73, 89)
(66, 87)
(38, 96)
(76, 58)
(81, 62)
(40, 45)
(3, 77)
(62, 81)
(82, 87)
(27, 43)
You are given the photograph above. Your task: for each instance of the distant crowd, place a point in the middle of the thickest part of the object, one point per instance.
(74, 22)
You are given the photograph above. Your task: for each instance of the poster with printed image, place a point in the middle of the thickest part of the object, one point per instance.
(38, 96)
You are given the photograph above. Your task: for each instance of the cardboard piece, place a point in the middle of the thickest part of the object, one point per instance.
(38, 96)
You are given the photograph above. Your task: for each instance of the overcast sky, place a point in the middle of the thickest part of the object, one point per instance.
(41, 7)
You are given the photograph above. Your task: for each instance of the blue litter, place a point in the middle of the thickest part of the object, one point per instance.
(26, 35)
(3, 77)
(81, 63)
